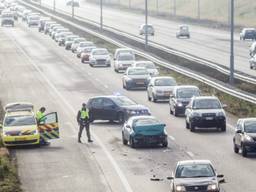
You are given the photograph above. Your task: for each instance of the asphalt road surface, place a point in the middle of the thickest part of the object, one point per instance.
(33, 68)
(210, 44)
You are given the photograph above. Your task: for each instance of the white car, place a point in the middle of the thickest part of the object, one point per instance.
(69, 40)
(47, 26)
(100, 57)
(160, 88)
(123, 50)
(56, 33)
(33, 20)
(82, 46)
(123, 61)
(25, 13)
(149, 28)
(149, 65)
(76, 42)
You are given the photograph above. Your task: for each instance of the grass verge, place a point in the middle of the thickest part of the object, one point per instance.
(9, 180)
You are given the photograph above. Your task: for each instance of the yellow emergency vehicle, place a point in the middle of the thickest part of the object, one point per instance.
(21, 128)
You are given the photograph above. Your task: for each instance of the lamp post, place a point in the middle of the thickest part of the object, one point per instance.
(54, 5)
(73, 9)
(146, 24)
(174, 7)
(231, 76)
(198, 9)
(101, 15)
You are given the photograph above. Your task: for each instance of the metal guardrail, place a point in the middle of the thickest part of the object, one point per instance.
(211, 83)
(181, 54)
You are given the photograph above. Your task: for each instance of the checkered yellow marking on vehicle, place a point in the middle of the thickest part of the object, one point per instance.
(49, 131)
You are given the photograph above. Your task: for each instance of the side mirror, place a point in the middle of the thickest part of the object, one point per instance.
(128, 126)
(238, 131)
(170, 178)
(220, 176)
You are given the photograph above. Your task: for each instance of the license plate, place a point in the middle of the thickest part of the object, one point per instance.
(20, 139)
(140, 82)
(209, 118)
(167, 94)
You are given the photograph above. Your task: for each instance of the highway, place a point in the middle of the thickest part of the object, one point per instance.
(33, 68)
(209, 44)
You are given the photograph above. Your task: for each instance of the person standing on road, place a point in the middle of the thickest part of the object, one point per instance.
(40, 118)
(84, 122)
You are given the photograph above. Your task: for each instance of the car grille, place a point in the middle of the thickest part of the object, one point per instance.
(202, 188)
(101, 61)
(185, 103)
(209, 114)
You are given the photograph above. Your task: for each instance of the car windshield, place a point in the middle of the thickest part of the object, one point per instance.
(88, 50)
(100, 52)
(194, 170)
(148, 65)
(207, 104)
(250, 126)
(125, 57)
(70, 38)
(19, 121)
(137, 71)
(187, 93)
(145, 121)
(123, 101)
(85, 44)
(165, 82)
(184, 28)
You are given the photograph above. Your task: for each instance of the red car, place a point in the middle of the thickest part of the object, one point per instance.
(86, 54)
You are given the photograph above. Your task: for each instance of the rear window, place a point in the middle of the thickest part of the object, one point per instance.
(100, 52)
(125, 57)
(165, 82)
(19, 121)
(146, 121)
(141, 71)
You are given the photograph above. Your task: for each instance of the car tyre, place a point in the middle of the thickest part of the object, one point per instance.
(132, 144)
(236, 149)
(149, 98)
(154, 99)
(171, 112)
(244, 151)
(192, 127)
(187, 125)
(165, 144)
(120, 118)
(175, 113)
(125, 142)
(223, 128)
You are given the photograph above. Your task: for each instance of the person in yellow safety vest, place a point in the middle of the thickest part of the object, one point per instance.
(40, 119)
(84, 122)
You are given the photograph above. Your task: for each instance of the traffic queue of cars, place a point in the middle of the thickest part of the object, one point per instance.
(138, 126)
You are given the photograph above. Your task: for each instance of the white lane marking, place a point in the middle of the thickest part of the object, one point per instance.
(190, 154)
(111, 159)
(171, 137)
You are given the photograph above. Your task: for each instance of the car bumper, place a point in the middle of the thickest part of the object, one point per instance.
(21, 140)
(150, 139)
(137, 84)
(208, 123)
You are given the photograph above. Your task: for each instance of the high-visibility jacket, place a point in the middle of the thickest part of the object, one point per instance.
(84, 114)
(39, 115)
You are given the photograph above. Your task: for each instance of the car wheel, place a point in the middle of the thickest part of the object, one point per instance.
(132, 144)
(165, 144)
(236, 149)
(108, 65)
(149, 98)
(125, 142)
(244, 151)
(154, 99)
(192, 127)
(175, 113)
(66, 48)
(187, 125)
(124, 86)
(223, 128)
(171, 112)
(82, 60)
(251, 67)
(188, 36)
(120, 118)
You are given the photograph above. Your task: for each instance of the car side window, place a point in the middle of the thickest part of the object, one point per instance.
(97, 102)
(107, 103)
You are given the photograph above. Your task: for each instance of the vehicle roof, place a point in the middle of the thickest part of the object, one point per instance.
(138, 62)
(205, 97)
(19, 113)
(189, 162)
(185, 87)
(162, 77)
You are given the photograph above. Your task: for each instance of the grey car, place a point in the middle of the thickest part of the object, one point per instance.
(160, 88)
(69, 40)
(245, 136)
(180, 98)
(99, 57)
(195, 176)
(183, 31)
(135, 77)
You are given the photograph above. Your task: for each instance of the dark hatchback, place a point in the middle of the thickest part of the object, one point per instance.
(114, 108)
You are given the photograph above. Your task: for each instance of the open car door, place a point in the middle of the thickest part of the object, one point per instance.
(48, 126)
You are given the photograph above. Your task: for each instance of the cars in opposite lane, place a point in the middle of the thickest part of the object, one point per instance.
(149, 29)
(183, 31)
(248, 33)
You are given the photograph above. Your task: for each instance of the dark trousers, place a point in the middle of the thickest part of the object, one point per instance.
(87, 128)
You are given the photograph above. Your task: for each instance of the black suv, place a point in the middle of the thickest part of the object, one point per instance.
(114, 108)
(245, 136)
(180, 98)
(204, 112)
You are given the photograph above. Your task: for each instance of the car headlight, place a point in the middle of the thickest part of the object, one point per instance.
(180, 188)
(221, 113)
(179, 104)
(212, 187)
(248, 138)
(196, 114)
